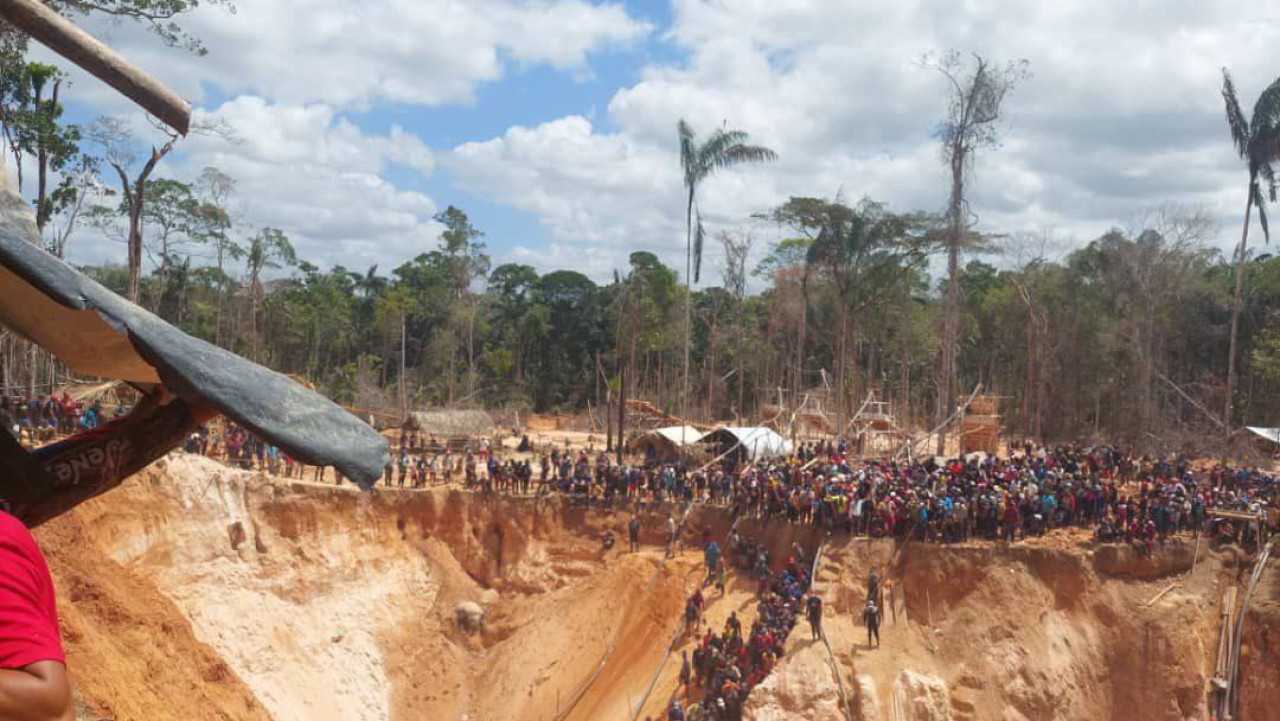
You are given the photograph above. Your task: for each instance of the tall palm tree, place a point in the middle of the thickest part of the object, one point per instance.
(370, 286)
(722, 149)
(265, 251)
(1258, 144)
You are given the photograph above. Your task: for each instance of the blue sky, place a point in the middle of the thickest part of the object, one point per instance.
(528, 93)
(551, 122)
(528, 96)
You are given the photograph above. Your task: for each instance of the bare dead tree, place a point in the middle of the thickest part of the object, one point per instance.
(1165, 249)
(1029, 251)
(976, 95)
(120, 151)
(215, 188)
(72, 199)
(737, 247)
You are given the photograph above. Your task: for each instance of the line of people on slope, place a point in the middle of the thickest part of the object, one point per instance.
(718, 676)
(724, 667)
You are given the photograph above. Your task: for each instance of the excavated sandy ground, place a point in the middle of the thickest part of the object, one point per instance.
(198, 592)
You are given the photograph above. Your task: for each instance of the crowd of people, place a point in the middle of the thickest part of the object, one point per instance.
(43, 417)
(1119, 495)
(1122, 496)
(1029, 492)
(724, 667)
(418, 462)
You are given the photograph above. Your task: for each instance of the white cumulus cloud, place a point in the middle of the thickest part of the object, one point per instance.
(354, 54)
(1122, 113)
(306, 170)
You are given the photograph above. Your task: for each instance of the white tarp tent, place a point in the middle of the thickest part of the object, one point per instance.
(680, 435)
(1271, 434)
(753, 441)
(666, 444)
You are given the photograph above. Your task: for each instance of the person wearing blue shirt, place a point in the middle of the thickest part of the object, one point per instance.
(1048, 503)
(90, 419)
(713, 561)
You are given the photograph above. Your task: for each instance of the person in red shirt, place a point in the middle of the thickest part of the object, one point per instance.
(33, 672)
(1012, 519)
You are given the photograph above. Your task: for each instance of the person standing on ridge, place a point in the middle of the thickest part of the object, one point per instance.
(813, 610)
(722, 577)
(633, 533)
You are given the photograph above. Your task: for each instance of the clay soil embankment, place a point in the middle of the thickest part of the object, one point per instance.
(200, 592)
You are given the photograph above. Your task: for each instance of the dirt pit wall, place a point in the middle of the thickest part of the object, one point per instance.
(198, 592)
(317, 602)
(1051, 629)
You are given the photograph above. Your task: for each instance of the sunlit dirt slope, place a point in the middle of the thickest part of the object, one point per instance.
(198, 592)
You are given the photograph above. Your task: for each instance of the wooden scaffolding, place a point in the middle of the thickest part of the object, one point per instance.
(980, 427)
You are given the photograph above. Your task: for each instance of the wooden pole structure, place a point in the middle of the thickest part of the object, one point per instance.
(403, 384)
(941, 427)
(61, 36)
(1233, 670)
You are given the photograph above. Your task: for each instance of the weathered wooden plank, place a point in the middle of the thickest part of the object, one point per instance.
(1235, 515)
(1161, 595)
(81, 48)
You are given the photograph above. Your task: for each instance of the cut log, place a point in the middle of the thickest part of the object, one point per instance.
(1160, 595)
(61, 36)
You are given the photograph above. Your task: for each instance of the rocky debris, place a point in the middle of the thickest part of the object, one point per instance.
(921, 697)
(470, 616)
(867, 700)
(800, 687)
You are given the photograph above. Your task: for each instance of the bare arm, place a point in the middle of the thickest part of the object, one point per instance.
(38, 692)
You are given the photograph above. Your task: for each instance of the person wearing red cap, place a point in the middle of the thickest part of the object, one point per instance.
(33, 673)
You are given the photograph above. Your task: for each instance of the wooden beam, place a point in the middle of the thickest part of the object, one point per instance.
(1160, 595)
(1194, 403)
(61, 36)
(942, 427)
(70, 472)
(1235, 515)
